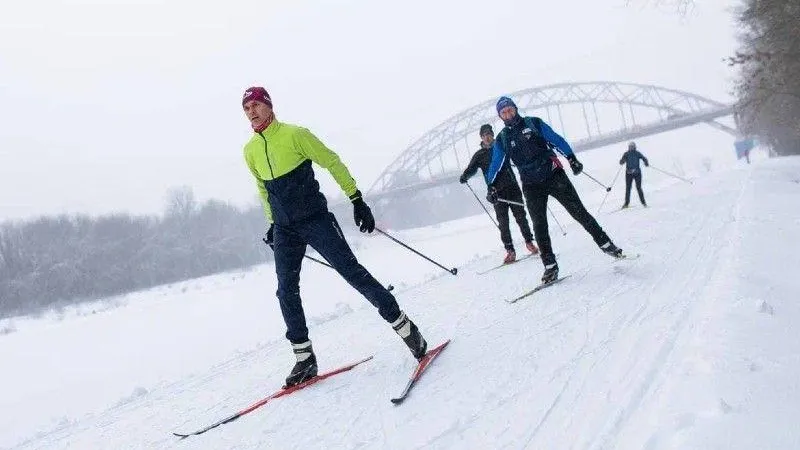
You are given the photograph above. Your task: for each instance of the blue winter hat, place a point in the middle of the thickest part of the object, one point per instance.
(504, 102)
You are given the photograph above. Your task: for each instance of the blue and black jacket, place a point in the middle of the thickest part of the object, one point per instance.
(529, 143)
(631, 159)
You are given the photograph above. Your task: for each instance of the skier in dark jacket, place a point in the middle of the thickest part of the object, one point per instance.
(529, 143)
(632, 172)
(279, 156)
(507, 189)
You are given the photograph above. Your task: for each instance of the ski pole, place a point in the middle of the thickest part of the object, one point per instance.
(608, 189)
(482, 205)
(511, 202)
(557, 222)
(671, 174)
(309, 257)
(388, 288)
(453, 271)
(612, 185)
(318, 261)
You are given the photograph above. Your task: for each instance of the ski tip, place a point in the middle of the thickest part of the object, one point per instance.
(438, 348)
(397, 401)
(181, 435)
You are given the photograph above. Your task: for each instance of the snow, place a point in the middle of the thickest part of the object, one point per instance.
(693, 345)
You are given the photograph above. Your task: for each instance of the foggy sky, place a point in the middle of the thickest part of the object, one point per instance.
(104, 107)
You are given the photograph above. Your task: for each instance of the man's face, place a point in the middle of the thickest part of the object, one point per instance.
(508, 113)
(257, 113)
(487, 138)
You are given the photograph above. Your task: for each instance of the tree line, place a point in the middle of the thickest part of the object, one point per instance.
(57, 260)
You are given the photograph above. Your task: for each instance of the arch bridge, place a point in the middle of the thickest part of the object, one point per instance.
(589, 115)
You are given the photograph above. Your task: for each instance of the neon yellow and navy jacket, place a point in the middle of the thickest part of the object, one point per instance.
(529, 143)
(280, 160)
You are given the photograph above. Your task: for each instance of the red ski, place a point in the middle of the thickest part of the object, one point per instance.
(423, 364)
(283, 391)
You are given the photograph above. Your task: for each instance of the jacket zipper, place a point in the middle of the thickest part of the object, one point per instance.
(266, 153)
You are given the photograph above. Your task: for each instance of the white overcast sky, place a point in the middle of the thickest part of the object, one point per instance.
(106, 104)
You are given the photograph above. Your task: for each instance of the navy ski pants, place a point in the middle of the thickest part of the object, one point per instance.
(323, 234)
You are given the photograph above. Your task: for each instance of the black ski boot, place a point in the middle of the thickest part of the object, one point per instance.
(306, 366)
(612, 250)
(550, 273)
(407, 330)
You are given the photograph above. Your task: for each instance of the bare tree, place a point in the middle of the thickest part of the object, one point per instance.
(181, 202)
(682, 7)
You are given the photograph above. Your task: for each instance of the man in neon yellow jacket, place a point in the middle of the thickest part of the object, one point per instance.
(279, 156)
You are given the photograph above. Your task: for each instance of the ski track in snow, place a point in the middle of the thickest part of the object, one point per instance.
(583, 364)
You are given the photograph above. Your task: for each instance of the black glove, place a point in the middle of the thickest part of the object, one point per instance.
(269, 239)
(576, 165)
(491, 195)
(646, 164)
(362, 214)
(462, 179)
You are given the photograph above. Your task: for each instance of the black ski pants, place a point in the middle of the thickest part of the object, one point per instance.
(323, 234)
(511, 193)
(562, 190)
(629, 179)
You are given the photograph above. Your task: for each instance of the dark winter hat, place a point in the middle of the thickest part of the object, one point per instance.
(486, 129)
(631, 145)
(504, 102)
(258, 94)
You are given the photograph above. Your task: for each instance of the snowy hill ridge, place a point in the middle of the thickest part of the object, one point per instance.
(694, 345)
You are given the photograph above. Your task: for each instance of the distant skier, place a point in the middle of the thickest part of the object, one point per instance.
(529, 143)
(279, 156)
(507, 188)
(743, 147)
(633, 173)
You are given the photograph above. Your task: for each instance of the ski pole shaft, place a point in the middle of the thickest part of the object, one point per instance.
(309, 257)
(557, 222)
(453, 271)
(607, 188)
(613, 182)
(482, 205)
(510, 202)
(318, 261)
(671, 174)
(388, 288)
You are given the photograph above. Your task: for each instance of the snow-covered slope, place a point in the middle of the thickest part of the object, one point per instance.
(694, 345)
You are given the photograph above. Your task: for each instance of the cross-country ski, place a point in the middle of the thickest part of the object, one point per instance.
(537, 289)
(280, 393)
(422, 366)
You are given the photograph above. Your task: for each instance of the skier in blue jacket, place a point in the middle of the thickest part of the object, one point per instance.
(633, 172)
(529, 143)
